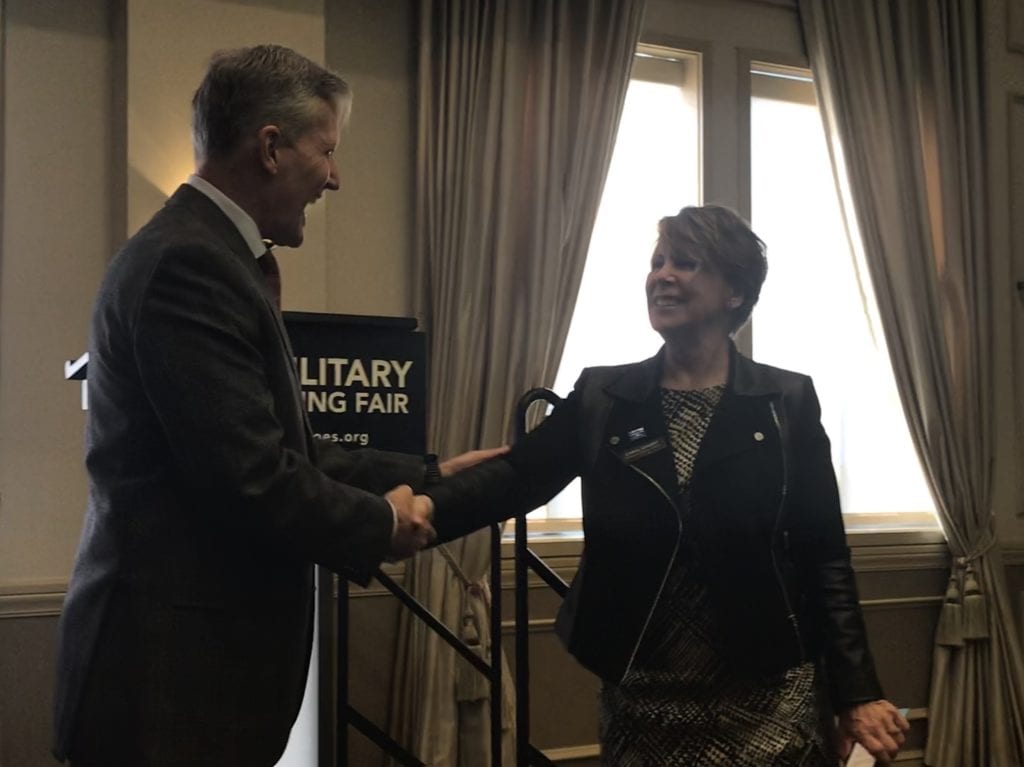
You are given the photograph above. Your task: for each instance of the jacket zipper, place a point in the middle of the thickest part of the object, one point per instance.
(664, 578)
(775, 532)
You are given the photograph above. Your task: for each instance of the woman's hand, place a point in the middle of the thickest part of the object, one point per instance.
(878, 726)
(471, 458)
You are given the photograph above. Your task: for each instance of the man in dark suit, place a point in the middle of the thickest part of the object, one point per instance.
(187, 626)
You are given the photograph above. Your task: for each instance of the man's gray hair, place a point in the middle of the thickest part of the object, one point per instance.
(248, 88)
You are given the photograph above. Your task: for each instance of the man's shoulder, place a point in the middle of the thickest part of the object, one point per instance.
(179, 220)
(176, 240)
(175, 227)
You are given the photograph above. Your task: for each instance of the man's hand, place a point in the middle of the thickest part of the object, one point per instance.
(878, 726)
(413, 530)
(470, 458)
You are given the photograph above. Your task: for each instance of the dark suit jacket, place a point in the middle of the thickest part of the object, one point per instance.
(186, 630)
(766, 529)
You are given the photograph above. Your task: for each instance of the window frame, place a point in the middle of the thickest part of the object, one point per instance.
(872, 529)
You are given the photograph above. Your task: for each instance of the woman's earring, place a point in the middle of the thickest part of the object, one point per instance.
(734, 302)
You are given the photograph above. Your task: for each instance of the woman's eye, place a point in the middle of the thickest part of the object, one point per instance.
(687, 264)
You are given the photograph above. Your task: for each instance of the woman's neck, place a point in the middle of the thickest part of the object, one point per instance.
(695, 363)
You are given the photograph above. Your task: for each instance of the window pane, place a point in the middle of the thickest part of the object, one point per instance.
(815, 306)
(659, 129)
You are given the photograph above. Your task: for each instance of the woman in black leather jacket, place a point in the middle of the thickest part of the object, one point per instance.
(715, 596)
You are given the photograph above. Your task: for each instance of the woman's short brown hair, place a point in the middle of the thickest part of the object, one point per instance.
(720, 239)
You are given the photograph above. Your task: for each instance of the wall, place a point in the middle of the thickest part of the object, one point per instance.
(370, 220)
(95, 133)
(57, 70)
(56, 236)
(159, 92)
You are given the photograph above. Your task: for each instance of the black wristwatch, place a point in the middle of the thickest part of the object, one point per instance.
(431, 470)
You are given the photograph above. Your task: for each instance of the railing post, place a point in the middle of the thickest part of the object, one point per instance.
(522, 648)
(495, 671)
(524, 560)
(341, 670)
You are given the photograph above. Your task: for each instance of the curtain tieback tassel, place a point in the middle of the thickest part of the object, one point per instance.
(470, 684)
(951, 623)
(975, 608)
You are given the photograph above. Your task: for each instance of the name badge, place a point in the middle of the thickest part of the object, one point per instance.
(634, 453)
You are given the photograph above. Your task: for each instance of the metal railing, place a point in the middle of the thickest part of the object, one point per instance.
(348, 715)
(526, 560)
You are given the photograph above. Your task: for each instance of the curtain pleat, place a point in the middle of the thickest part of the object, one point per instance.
(900, 88)
(519, 102)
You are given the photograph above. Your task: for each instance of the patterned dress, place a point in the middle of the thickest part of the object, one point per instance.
(681, 702)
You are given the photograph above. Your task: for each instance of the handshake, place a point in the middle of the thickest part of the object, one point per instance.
(414, 514)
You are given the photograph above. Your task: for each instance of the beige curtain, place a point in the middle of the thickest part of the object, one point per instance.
(900, 89)
(519, 105)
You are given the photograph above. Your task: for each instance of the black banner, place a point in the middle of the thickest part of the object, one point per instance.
(363, 379)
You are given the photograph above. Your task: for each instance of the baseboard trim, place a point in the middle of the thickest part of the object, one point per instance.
(1013, 556)
(39, 605)
(915, 755)
(46, 597)
(898, 602)
(572, 753)
(534, 625)
(33, 603)
(593, 751)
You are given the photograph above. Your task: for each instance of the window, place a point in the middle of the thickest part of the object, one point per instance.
(815, 308)
(816, 312)
(660, 128)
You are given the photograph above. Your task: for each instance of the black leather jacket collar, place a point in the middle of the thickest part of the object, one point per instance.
(639, 382)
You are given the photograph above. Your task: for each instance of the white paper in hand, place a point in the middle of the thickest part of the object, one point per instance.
(859, 757)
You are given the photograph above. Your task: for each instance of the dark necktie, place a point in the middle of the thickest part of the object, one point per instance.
(271, 275)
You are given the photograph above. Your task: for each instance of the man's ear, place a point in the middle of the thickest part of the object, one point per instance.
(269, 143)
